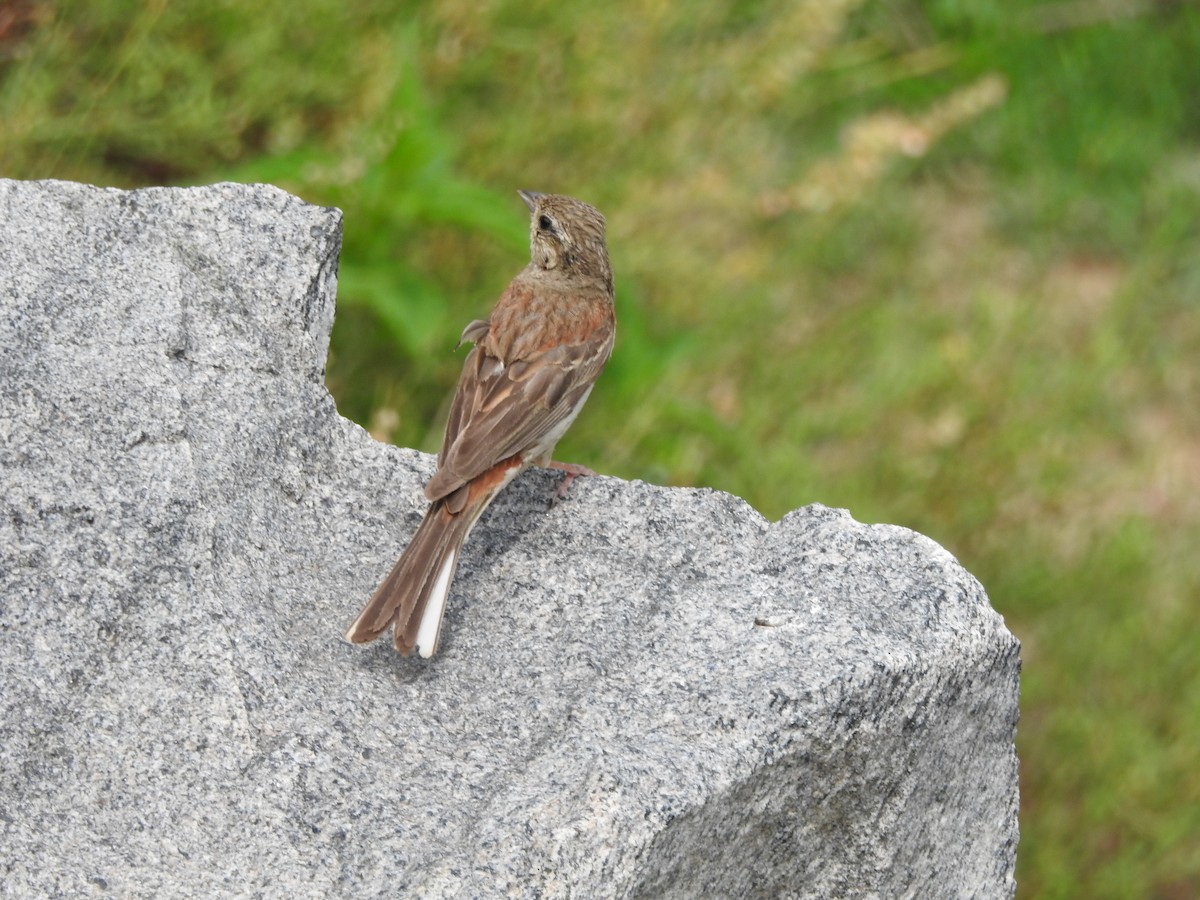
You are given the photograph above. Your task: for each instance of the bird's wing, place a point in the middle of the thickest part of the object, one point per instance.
(501, 410)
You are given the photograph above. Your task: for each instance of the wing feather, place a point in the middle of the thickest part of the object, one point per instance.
(499, 411)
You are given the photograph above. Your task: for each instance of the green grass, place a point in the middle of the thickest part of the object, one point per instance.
(991, 337)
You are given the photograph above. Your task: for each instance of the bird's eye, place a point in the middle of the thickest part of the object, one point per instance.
(545, 224)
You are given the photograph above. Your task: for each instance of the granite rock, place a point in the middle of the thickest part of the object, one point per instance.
(641, 691)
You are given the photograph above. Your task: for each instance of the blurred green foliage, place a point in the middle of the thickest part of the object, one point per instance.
(932, 262)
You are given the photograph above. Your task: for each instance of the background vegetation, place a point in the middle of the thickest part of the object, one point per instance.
(934, 262)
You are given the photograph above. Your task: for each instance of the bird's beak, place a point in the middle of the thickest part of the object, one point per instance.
(531, 198)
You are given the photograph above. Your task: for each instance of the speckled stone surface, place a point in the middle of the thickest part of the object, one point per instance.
(641, 692)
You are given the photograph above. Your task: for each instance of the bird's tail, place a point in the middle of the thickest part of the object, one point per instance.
(413, 595)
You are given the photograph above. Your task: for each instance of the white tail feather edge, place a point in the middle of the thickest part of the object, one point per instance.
(431, 619)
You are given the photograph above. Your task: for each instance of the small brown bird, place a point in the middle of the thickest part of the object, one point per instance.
(535, 360)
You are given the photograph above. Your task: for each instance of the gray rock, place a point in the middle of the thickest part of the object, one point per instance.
(641, 692)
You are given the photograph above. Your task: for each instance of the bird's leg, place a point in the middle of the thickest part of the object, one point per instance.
(571, 472)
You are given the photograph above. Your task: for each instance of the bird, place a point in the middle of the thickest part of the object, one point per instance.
(534, 362)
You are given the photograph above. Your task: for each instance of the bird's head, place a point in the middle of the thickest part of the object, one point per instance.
(568, 235)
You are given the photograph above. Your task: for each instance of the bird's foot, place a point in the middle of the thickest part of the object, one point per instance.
(570, 471)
